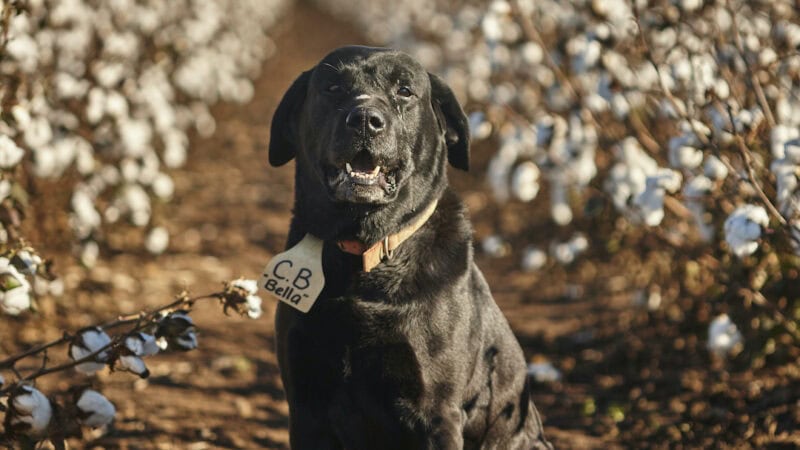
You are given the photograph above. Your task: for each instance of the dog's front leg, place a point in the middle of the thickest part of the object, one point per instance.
(447, 429)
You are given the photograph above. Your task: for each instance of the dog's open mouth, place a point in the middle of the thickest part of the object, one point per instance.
(366, 178)
(361, 181)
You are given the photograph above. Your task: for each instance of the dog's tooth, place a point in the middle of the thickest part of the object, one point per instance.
(348, 167)
(376, 170)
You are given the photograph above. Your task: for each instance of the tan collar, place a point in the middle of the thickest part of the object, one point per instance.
(373, 255)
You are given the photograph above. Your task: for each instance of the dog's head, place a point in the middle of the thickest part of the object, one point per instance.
(370, 128)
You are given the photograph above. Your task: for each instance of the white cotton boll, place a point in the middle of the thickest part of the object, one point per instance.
(697, 187)
(722, 89)
(690, 5)
(25, 51)
(135, 136)
(68, 87)
(86, 343)
(494, 246)
(559, 207)
(149, 168)
(590, 56)
(29, 406)
(116, 105)
(767, 56)
(651, 205)
(204, 122)
(134, 201)
(112, 214)
(122, 45)
(791, 150)
(714, 168)
(531, 53)
(10, 153)
(249, 286)
(579, 243)
(38, 133)
(533, 259)
(95, 105)
(157, 240)
(253, 303)
(783, 111)
(175, 144)
(492, 27)
(778, 138)
(5, 189)
(108, 74)
(786, 182)
(89, 254)
(562, 252)
(163, 186)
(724, 337)
(133, 364)
(544, 372)
(84, 156)
(242, 91)
(479, 127)
(22, 115)
(129, 169)
(96, 410)
(45, 162)
(15, 290)
(110, 175)
(142, 344)
(525, 181)
(685, 157)
(682, 70)
(667, 179)
(582, 170)
(743, 229)
(85, 216)
(620, 106)
(596, 103)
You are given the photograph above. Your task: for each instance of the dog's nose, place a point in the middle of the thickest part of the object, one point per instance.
(369, 119)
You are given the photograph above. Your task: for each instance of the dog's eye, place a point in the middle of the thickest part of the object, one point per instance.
(404, 91)
(334, 89)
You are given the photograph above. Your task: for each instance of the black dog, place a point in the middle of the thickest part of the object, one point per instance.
(405, 347)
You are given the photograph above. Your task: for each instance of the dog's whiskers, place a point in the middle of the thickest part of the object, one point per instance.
(335, 69)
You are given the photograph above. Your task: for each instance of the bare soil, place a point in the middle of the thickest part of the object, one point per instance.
(633, 377)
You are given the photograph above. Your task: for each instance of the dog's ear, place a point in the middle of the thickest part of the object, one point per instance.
(453, 122)
(283, 140)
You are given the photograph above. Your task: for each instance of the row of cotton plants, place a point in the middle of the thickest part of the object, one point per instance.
(100, 96)
(706, 93)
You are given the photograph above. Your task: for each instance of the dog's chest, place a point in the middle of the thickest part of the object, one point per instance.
(362, 341)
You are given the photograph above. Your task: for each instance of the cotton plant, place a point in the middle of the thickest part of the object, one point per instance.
(121, 345)
(118, 87)
(573, 63)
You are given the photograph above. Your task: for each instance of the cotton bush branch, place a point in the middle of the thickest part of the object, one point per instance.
(751, 173)
(169, 322)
